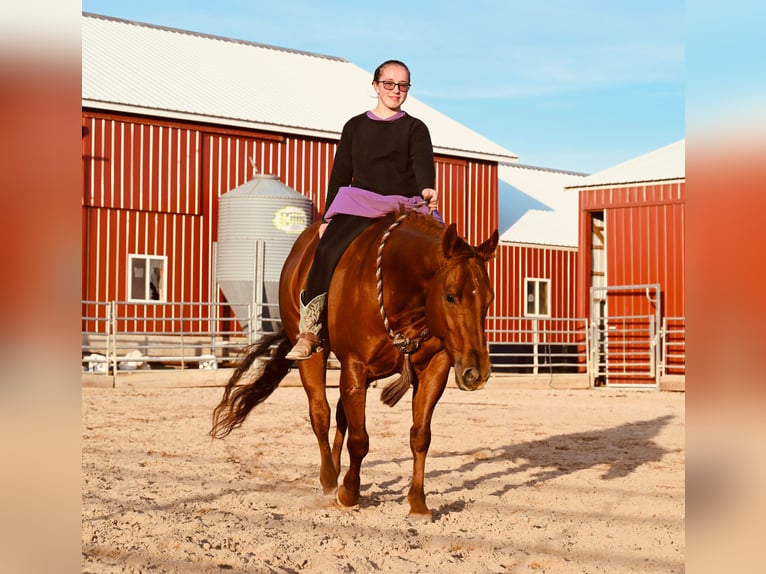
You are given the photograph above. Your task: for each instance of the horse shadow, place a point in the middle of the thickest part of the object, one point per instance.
(621, 449)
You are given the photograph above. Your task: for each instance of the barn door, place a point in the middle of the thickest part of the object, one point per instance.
(625, 321)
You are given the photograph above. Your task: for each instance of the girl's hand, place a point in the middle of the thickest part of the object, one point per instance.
(432, 197)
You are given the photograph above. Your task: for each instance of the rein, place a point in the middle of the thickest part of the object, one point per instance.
(399, 340)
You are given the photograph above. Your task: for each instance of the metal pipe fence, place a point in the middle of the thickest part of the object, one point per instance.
(524, 345)
(124, 335)
(673, 338)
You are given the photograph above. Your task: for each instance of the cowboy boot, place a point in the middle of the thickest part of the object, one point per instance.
(309, 327)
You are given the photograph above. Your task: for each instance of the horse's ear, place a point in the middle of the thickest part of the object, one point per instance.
(451, 241)
(487, 249)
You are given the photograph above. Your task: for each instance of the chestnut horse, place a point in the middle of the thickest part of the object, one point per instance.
(409, 296)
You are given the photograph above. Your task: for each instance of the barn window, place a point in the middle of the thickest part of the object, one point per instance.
(538, 297)
(146, 280)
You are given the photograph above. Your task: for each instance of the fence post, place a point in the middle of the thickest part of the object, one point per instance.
(535, 341)
(111, 356)
(213, 313)
(593, 359)
(654, 350)
(587, 350)
(214, 310)
(663, 346)
(183, 349)
(258, 286)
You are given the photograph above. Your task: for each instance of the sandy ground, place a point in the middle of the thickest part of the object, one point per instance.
(519, 480)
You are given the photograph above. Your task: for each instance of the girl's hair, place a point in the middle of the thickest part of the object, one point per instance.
(379, 69)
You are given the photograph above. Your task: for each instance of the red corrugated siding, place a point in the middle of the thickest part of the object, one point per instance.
(152, 186)
(514, 263)
(114, 234)
(307, 168)
(644, 243)
(227, 164)
(123, 168)
(468, 191)
(452, 183)
(481, 219)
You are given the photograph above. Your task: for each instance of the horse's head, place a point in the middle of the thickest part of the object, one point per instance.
(457, 303)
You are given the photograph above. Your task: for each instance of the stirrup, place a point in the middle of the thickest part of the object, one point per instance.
(306, 345)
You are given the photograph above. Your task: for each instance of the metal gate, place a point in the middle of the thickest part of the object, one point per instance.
(625, 324)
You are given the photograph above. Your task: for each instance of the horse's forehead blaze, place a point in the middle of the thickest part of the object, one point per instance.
(476, 286)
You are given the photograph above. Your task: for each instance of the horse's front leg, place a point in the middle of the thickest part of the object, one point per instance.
(313, 376)
(353, 395)
(340, 433)
(431, 384)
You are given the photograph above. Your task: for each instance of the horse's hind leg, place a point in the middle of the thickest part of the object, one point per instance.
(353, 394)
(313, 377)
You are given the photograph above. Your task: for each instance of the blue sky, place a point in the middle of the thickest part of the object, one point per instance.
(569, 85)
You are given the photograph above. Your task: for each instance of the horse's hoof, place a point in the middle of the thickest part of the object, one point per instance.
(345, 499)
(345, 507)
(420, 517)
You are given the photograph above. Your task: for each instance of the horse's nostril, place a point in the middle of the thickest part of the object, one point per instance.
(470, 376)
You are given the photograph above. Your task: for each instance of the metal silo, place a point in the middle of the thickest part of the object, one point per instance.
(258, 222)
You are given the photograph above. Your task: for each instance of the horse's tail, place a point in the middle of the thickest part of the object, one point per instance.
(238, 402)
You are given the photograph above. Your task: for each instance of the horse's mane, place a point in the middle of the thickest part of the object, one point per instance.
(429, 225)
(417, 220)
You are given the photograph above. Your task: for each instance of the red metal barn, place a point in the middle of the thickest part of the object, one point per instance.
(151, 187)
(539, 331)
(165, 136)
(631, 267)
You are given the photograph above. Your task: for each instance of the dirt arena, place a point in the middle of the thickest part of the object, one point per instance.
(519, 480)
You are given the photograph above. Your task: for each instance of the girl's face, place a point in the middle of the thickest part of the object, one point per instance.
(395, 97)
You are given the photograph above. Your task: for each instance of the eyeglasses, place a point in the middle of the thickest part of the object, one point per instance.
(389, 85)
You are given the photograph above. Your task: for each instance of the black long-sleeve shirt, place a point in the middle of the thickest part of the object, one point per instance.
(394, 157)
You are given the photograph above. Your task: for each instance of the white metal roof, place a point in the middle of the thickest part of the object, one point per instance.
(143, 68)
(543, 184)
(549, 228)
(663, 164)
(556, 225)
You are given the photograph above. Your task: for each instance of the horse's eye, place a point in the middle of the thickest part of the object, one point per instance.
(450, 298)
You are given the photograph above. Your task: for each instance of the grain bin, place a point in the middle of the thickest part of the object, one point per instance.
(258, 222)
